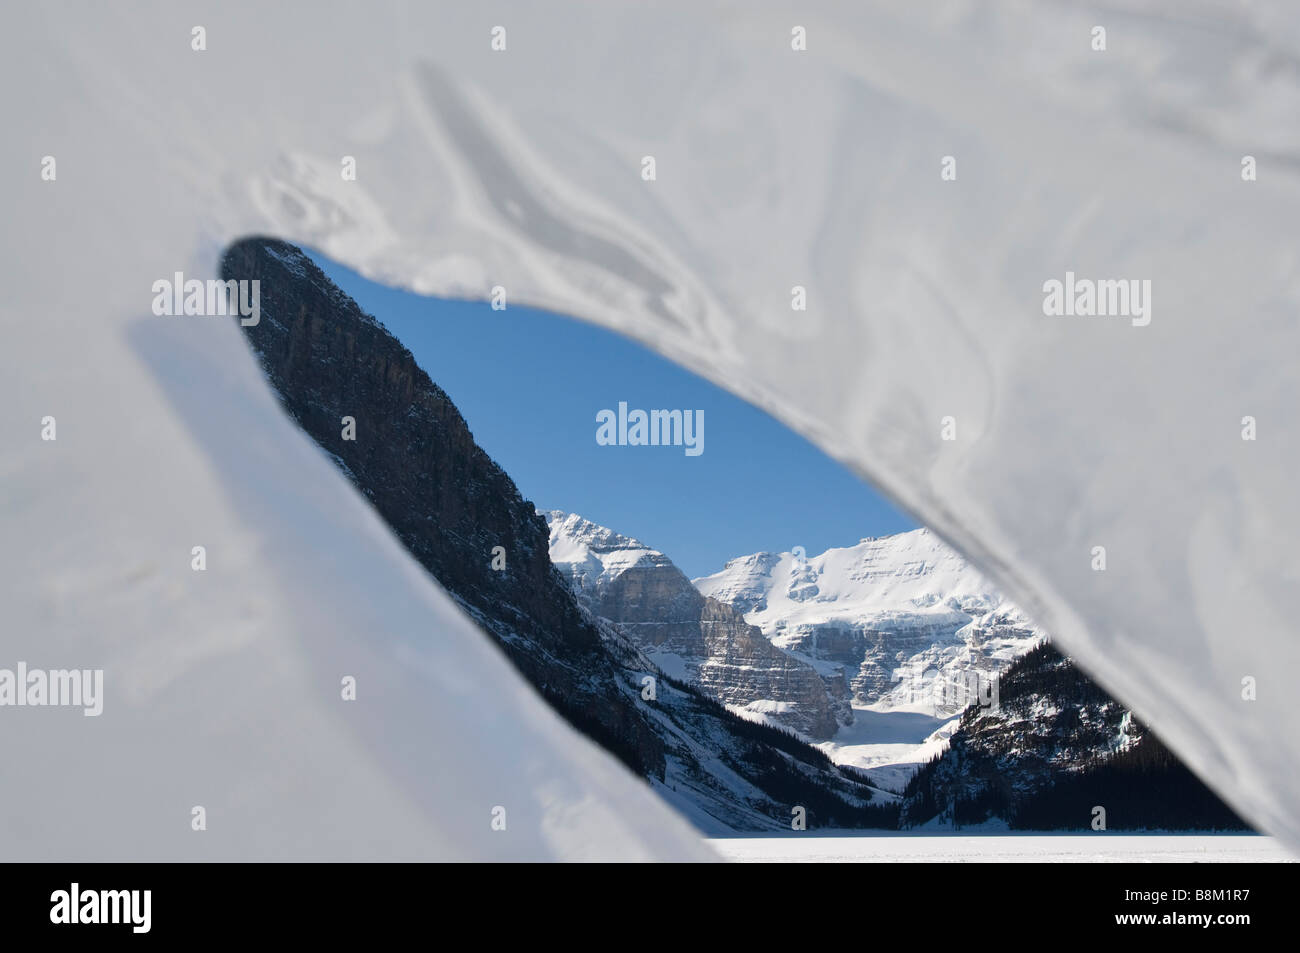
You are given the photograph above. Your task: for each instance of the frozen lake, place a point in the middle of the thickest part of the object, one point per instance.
(1003, 848)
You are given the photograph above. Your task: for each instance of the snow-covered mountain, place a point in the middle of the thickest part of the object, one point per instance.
(893, 616)
(872, 650)
(901, 622)
(688, 635)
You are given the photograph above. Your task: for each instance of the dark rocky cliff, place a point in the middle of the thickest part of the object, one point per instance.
(1056, 748)
(415, 459)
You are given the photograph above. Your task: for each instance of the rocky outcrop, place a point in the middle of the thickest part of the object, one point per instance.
(692, 636)
(413, 456)
(1052, 750)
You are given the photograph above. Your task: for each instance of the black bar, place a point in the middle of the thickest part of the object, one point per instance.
(966, 903)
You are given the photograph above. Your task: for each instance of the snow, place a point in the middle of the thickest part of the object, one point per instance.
(890, 742)
(909, 580)
(522, 169)
(591, 553)
(1004, 847)
(903, 570)
(910, 584)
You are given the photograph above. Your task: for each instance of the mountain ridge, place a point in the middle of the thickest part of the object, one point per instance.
(885, 612)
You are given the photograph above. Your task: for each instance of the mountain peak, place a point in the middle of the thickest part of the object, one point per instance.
(688, 635)
(590, 553)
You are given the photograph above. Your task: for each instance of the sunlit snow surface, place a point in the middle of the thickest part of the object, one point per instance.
(522, 168)
(890, 744)
(1005, 848)
(911, 586)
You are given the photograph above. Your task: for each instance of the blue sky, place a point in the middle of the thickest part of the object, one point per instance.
(530, 384)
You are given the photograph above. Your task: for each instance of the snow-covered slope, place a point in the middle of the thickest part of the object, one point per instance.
(893, 614)
(522, 168)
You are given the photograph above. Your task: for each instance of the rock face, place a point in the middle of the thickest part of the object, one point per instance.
(414, 458)
(1053, 749)
(465, 521)
(890, 616)
(688, 635)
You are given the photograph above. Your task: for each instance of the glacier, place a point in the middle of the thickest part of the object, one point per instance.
(521, 168)
(884, 613)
